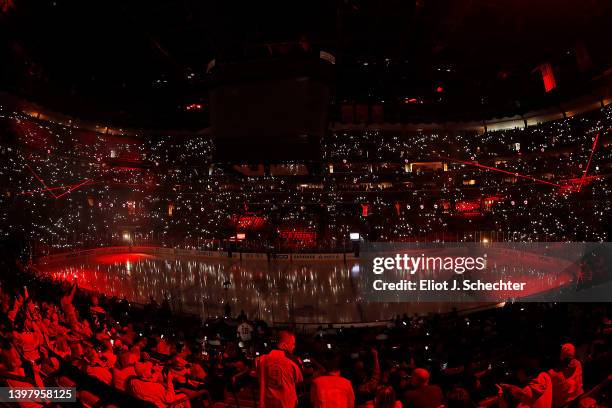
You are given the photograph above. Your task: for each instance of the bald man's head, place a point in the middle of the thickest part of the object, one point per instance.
(420, 377)
(286, 341)
(568, 351)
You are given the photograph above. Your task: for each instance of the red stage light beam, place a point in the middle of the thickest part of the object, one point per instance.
(73, 187)
(41, 180)
(42, 190)
(70, 188)
(482, 166)
(584, 174)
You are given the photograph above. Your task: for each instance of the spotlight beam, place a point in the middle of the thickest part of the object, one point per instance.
(42, 190)
(69, 188)
(73, 187)
(524, 176)
(41, 180)
(586, 170)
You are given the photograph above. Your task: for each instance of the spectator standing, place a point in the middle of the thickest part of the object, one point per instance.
(422, 394)
(245, 331)
(567, 378)
(331, 390)
(538, 391)
(279, 373)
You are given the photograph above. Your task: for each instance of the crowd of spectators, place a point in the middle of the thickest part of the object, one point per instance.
(524, 355)
(66, 187)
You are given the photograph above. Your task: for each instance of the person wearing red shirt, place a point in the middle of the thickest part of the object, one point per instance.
(279, 373)
(95, 367)
(108, 355)
(145, 388)
(123, 371)
(162, 346)
(60, 346)
(422, 394)
(68, 307)
(332, 390)
(95, 308)
(28, 341)
(567, 378)
(13, 365)
(538, 391)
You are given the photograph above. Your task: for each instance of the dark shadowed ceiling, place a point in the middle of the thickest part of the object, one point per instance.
(143, 63)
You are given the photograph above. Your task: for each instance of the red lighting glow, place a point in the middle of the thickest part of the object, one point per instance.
(575, 185)
(248, 222)
(548, 77)
(586, 170)
(112, 259)
(69, 188)
(302, 236)
(467, 206)
(194, 107)
(365, 210)
(482, 166)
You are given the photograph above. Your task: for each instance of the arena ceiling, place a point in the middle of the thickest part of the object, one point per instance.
(144, 63)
